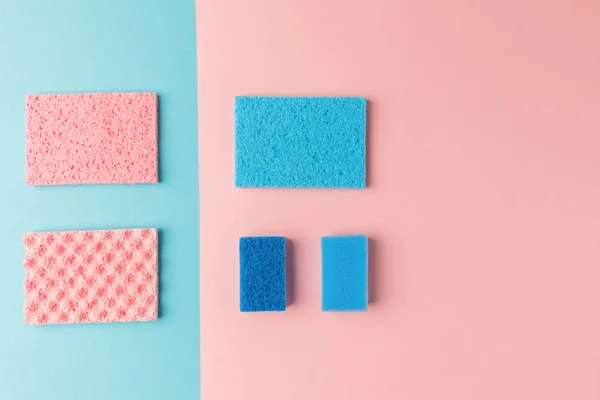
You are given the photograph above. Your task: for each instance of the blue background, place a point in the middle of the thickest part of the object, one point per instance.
(66, 46)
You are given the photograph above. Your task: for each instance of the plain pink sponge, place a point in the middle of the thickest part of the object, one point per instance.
(91, 276)
(92, 138)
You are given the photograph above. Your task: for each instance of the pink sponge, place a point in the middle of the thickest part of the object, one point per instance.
(91, 276)
(92, 138)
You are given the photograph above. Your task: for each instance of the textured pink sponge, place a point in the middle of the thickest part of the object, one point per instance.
(91, 276)
(92, 138)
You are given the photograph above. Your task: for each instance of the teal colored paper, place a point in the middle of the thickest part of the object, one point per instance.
(67, 46)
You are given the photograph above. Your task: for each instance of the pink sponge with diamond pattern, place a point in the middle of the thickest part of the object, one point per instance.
(92, 138)
(91, 276)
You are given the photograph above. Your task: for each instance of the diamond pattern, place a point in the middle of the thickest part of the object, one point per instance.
(91, 276)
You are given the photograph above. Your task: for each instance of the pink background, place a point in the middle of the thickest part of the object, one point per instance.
(483, 202)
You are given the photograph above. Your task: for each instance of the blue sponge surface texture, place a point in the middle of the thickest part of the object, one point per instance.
(262, 274)
(345, 273)
(300, 142)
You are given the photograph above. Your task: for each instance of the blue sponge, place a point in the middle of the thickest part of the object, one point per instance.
(301, 142)
(262, 273)
(345, 273)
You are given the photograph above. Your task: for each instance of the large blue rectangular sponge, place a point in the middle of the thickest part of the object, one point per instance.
(300, 142)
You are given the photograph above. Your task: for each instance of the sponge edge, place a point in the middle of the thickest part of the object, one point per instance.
(345, 273)
(262, 274)
(91, 138)
(300, 142)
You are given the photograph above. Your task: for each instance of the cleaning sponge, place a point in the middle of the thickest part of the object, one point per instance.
(345, 273)
(91, 276)
(91, 138)
(262, 273)
(302, 142)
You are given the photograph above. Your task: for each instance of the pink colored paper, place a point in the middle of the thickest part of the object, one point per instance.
(91, 276)
(92, 138)
(483, 200)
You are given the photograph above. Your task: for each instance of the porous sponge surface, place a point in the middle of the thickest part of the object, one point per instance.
(91, 276)
(345, 273)
(301, 142)
(91, 138)
(262, 273)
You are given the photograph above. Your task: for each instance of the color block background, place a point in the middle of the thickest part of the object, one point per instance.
(483, 203)
(71, 46)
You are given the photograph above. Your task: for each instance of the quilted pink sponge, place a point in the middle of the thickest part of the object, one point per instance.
(92, 138)
(91, 276)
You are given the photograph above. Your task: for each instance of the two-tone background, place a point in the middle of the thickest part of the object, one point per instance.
(482, 205)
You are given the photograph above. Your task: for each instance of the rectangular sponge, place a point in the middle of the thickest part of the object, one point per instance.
(300, 142)
(91, 138)
(262, 273)
(91, 276)
(345, 273)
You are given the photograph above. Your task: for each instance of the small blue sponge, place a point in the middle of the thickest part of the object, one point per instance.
(345, 273)
(262, 273)
(301, 142)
